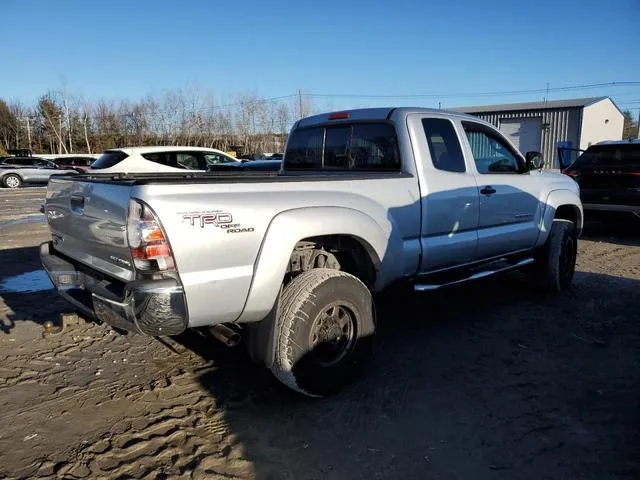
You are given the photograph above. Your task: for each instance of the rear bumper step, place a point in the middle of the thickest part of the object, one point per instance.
(151, 307)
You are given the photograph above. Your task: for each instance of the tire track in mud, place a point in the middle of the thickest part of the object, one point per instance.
(170, 424)
(180, 434)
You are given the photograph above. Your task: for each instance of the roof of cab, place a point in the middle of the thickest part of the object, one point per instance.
(380, 113)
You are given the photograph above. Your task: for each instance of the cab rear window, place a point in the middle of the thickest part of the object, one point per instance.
(358, 146)
(109, 159)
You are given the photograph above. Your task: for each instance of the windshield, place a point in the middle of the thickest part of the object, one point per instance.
(606, 155)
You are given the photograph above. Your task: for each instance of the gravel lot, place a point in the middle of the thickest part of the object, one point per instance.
(491, 380)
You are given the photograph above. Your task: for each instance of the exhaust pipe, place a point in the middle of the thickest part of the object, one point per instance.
(226, 335)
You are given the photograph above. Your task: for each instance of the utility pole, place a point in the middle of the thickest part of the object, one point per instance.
(29, 132)
(300, 101)
(27, 120)
(546, 98)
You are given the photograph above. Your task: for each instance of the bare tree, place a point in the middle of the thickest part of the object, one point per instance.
(52, 116)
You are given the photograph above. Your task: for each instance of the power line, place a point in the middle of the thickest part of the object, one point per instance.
(478, 94)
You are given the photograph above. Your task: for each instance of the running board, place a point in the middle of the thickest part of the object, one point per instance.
(425, 287)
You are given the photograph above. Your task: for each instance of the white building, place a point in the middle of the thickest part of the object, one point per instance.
(545, 126)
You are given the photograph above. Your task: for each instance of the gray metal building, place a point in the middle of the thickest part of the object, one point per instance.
(545, 126)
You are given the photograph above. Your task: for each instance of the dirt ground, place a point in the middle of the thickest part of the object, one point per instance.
(491, 380)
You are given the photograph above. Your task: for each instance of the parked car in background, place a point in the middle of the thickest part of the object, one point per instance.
(15, 171)
(251, 165)
(257, 156)
(608, 174)
(160, 159)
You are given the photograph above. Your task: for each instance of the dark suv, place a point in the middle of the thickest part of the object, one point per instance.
(609, 177)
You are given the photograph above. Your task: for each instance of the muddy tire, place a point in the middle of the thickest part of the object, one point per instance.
(12, 181)
(556, 262)
(325, 334)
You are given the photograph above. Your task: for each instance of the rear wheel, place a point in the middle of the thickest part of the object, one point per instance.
(12, 181)
(556, 262)
(325, 335)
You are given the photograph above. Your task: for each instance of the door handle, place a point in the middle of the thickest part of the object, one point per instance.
(488, 190)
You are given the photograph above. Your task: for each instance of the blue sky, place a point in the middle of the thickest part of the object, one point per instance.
(127, 49)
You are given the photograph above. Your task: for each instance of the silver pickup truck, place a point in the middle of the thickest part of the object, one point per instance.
(365, 199)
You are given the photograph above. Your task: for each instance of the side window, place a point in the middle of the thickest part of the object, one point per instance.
(490, 153)
(187, 160)
(304, 149)
(9, 161)
(446, 153)
(158, 157)
(215, 159)
(41, 164)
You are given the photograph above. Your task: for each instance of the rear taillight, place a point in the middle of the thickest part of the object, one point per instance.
(150, 249)
(571, 173)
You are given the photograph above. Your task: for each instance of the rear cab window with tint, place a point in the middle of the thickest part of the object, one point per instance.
(444, 146)
(366, 146)
(109, 159)
(304, 149)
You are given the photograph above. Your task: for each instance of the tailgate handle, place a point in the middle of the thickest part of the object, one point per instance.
(77, 204)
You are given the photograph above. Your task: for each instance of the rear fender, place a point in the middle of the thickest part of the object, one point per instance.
(287, 228)
(555, 200)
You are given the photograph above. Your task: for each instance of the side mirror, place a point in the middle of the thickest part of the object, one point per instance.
(534, 160)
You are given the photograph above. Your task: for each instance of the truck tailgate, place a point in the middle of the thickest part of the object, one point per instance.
(88, 222)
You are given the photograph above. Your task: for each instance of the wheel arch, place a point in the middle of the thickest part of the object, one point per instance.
(381, 243)
(564, 204)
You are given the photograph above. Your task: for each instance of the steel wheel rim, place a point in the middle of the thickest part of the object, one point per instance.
(12, 182)
(333, 332)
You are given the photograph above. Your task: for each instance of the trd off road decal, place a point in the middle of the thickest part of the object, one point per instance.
(215, 218)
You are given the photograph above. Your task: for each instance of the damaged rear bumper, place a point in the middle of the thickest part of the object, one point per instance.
(152, 307)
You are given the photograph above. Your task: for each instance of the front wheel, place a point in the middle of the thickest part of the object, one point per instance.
(555, 263)
(12, 181)
(325, 335)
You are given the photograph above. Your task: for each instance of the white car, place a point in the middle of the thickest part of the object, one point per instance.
(160, 159)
